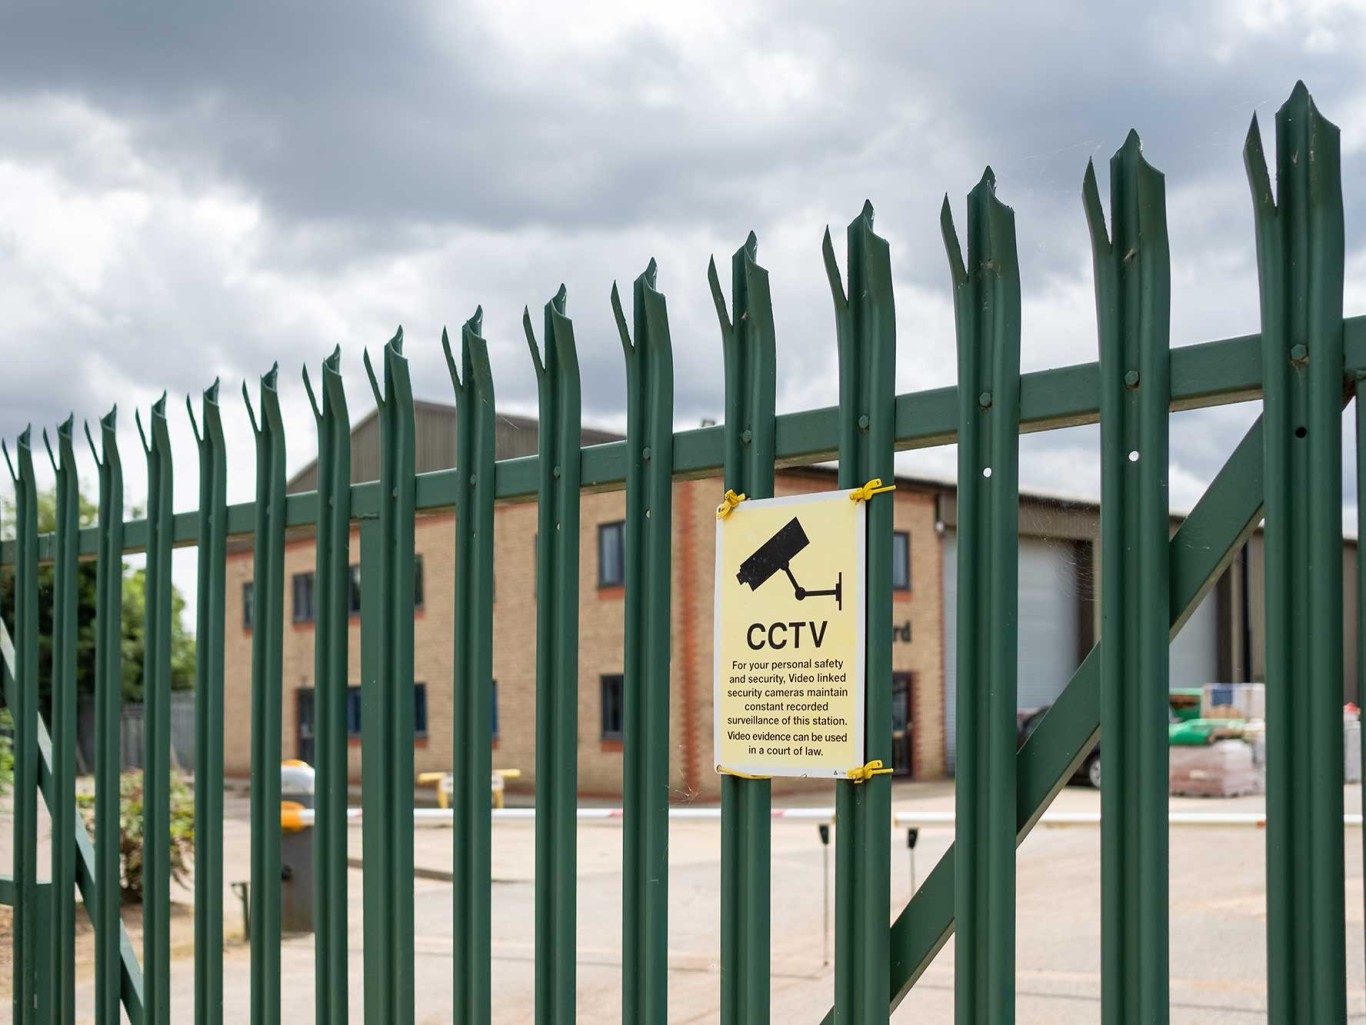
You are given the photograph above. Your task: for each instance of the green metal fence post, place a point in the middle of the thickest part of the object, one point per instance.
(1300, 267)
(156, 698)
(749, 349)
(557, 663)
(473, 685)
(387, 705)
(25, 713)
(645, 770)
(865, 321)
(267, 657)
(987, 311)
(108, 705)
(1133, 310)
(208, 700)
(1361, 585)
(61, 950)
(331, 677)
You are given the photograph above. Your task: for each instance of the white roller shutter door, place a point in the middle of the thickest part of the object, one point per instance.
(1195, 651)
(1048, 624)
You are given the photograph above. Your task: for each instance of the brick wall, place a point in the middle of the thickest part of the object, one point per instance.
(600, 645)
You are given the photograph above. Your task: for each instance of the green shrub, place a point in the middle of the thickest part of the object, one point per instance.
(181, 839)
(6, 752)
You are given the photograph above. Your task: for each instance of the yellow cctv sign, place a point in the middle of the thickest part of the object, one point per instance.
(789, 636)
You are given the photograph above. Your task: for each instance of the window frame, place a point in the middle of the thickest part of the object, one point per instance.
(615, 528)
(309, 581)
(617, 681)
(905, 562)
(420, 721)
(353, 591)
(355, 704)
(353, 594)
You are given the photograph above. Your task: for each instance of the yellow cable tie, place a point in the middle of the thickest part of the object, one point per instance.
(723, 771)
(873, 487)
(729, 502)
(866, 772)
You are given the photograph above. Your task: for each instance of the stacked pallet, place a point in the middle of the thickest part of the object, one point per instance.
(1224, 768)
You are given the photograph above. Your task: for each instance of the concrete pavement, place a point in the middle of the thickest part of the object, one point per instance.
(1218, 921)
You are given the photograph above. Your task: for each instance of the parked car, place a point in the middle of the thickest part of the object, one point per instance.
(1027, 721)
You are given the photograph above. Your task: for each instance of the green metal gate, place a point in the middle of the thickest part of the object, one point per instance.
(1304, 366)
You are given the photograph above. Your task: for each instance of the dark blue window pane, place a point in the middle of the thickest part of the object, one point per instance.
(901, 561)
(613, 725)
(353, 591)
(611, 554)
(303, 597)
(353, 711)
(420, 710)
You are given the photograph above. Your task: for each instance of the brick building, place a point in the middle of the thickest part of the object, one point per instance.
(1059, 554)
(917, 638)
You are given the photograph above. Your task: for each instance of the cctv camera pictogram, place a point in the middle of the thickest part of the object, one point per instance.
(777, 554)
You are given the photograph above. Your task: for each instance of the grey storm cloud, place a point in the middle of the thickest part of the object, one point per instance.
(188, 192)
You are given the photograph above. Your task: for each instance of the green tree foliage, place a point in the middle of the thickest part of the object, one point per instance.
(6, 752)
(85, 600)
(134, 609)
(134, 616)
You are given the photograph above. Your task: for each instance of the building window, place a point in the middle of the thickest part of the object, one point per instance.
(901, 561)
(353, 590)
(248, 605)
(353, 711)
(303, 597)
(613, 718)
(353, 707)
(420, 710)
(611, 554)
(353, 587)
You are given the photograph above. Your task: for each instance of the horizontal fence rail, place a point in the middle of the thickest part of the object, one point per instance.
(1059, 819)
(1203, 374)
(1303, 366)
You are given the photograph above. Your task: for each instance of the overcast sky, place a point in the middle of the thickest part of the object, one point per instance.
(191, 191)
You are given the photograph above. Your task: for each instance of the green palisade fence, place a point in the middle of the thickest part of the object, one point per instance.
(987, 307)
(1302, 367)
(749, 350)
(1133, 286)
(208, 795)
(472, 923)
(865, 323)
(1300, 268)
(386, 563)
(557, 662)
(61, 951)
(649, 508)
(330, 677)
(156, 689)
(267, 654)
